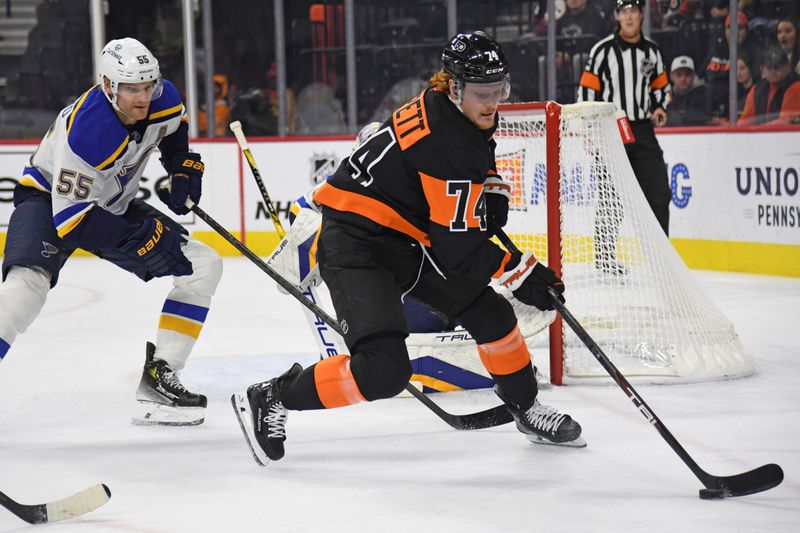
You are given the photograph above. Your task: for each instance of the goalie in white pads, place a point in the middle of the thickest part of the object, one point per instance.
(79, 191)
(407, 215)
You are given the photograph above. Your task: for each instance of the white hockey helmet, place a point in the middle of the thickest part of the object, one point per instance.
(128, 61)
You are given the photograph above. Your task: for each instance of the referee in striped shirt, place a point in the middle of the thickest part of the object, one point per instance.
(627, 69)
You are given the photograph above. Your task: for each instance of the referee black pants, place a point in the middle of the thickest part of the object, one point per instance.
(648, 164)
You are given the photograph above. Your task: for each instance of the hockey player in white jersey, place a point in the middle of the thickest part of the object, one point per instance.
(79, 191)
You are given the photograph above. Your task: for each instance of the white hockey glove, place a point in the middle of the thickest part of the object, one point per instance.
(528, 280)
(295, 257)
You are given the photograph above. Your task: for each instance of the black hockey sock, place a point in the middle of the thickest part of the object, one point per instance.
(518, 389)
(299, 393)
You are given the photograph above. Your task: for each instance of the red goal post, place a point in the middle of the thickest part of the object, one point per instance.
(625, 282)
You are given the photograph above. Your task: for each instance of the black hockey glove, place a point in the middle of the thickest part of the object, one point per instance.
(528, 280)
(497, 193)
(186, 182)
(159, 248)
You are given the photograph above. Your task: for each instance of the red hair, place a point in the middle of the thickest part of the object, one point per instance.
(441, 82)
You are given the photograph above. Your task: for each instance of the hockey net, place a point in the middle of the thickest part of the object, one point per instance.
(576, 205)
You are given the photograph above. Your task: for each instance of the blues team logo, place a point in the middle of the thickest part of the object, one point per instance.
(49, 250)
(322, 166)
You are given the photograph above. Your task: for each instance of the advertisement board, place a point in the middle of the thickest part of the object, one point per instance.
(735, 195)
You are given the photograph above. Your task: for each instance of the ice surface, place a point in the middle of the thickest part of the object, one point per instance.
(67, 387)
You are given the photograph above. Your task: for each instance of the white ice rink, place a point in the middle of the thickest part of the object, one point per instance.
(67, 388)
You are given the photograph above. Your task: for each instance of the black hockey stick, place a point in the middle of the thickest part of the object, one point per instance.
(76, 505)
(485, 419)
(716, 487)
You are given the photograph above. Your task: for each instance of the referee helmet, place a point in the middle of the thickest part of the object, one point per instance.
(622, 4)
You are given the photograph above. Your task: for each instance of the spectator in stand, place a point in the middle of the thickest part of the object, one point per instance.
(746, 79)
(678, 11)
(775, 99)
(770, 9)
(691, 99)
(257, 109)
(787, 39)
(582, 19)
(272, 97)
(718, 64)
(578, 29)
(222, 110)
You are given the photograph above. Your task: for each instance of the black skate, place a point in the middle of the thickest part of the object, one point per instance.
(542, 424)
(162, 398)
(262, 417)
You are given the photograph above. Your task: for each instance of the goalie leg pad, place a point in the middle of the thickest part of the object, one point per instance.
(295, 257)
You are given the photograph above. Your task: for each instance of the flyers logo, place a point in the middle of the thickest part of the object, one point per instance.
(410, 123)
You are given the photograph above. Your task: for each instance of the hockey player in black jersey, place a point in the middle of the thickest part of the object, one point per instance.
(409, 214)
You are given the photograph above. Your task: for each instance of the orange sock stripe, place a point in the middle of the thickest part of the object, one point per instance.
(335, 384)
(506, 355)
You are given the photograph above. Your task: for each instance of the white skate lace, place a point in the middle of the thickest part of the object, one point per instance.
(276, 421)
(544, 417)
(170, 378)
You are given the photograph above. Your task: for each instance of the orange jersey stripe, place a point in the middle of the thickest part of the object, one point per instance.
(590, 80)
(335, 384)
(370, 208)
(506, 355)
(444, 206)
(503, 263)
(660, 82)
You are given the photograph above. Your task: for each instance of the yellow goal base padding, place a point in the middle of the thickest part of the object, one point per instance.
(724, 256)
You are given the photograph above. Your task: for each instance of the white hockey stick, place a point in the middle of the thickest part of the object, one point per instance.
(78, 504)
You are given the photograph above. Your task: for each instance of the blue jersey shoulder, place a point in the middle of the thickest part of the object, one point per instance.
(168, 105)
(94, 132)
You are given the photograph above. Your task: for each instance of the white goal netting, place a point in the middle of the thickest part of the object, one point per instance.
(625, 282)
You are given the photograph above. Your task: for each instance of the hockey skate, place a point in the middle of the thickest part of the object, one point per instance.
(542, 424)
(162, 399)
(262, 417)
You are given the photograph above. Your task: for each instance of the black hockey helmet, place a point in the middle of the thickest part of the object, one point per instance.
(630, 3)
(475, 58)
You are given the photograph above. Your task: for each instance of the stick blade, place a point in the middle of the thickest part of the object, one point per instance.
(756, 480)
(78, 504)
(496, 416)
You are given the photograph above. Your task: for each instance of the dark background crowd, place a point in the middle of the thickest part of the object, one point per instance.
(46, 54)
